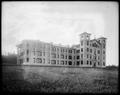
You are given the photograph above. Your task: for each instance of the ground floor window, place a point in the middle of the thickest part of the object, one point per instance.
(70, 62)
(21, 61)
(27, 59)
(78, 57)
(65, 62)
(62, 62)
(98, 63)
(49, 61)
(94, 64)
(78, 62)
(90, 63)
(103, 63)
(53, 61)
(57, 61)
(34, 60)
(44, 60)
(38, 60)
(87, 62)
(81, 62)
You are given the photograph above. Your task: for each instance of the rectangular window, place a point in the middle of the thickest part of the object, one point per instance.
(78, 51)
(70, 51)
(90, 56)
(81, 62)
(62, 62)
(34, 60)
(103, 63)
(53, 55)
(103, 45)
(49, 61)
(78, 62)
(91, 50)
(87, 42)
(27, 51)
(70, 62)
(65, 62)
(61, 49)
(66, 56)
(74, 57)
(78, 57)
(98, 63)
(62, 56)
(90, 63)
(54, 48)
(87, 62)
(70, 57)
(57, 61)
(39, 60)
(98, 51)
(81, 55)
(53, 61)
(39, 53)
(81, 43)
(87, 49)
(87, 56)
(103, 52)
(81, 49)
(44, 60)
(57, 49)
(74, 52)
(27, 59)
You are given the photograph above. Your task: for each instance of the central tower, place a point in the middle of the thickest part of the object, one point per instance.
(84, 48)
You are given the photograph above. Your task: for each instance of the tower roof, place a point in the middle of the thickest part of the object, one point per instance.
(84, 33)
(95, 41)
(102, 38)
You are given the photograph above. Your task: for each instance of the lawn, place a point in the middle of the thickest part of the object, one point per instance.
(59, 80)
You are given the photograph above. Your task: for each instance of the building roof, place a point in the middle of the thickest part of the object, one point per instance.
(76, 46)
(102, 38)
(85, 33)
(96, 41)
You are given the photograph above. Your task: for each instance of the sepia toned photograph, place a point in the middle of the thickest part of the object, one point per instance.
(60, 47)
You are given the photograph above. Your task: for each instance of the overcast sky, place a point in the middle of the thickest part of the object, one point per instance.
(60, 22)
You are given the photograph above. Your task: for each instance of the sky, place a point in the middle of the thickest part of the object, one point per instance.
(60, 23)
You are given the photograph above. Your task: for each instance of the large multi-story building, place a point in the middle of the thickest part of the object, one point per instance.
(88, 53)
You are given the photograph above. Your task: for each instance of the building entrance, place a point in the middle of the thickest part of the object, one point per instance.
(94, 65)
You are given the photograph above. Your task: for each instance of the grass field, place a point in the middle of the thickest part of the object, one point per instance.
(59, 80)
